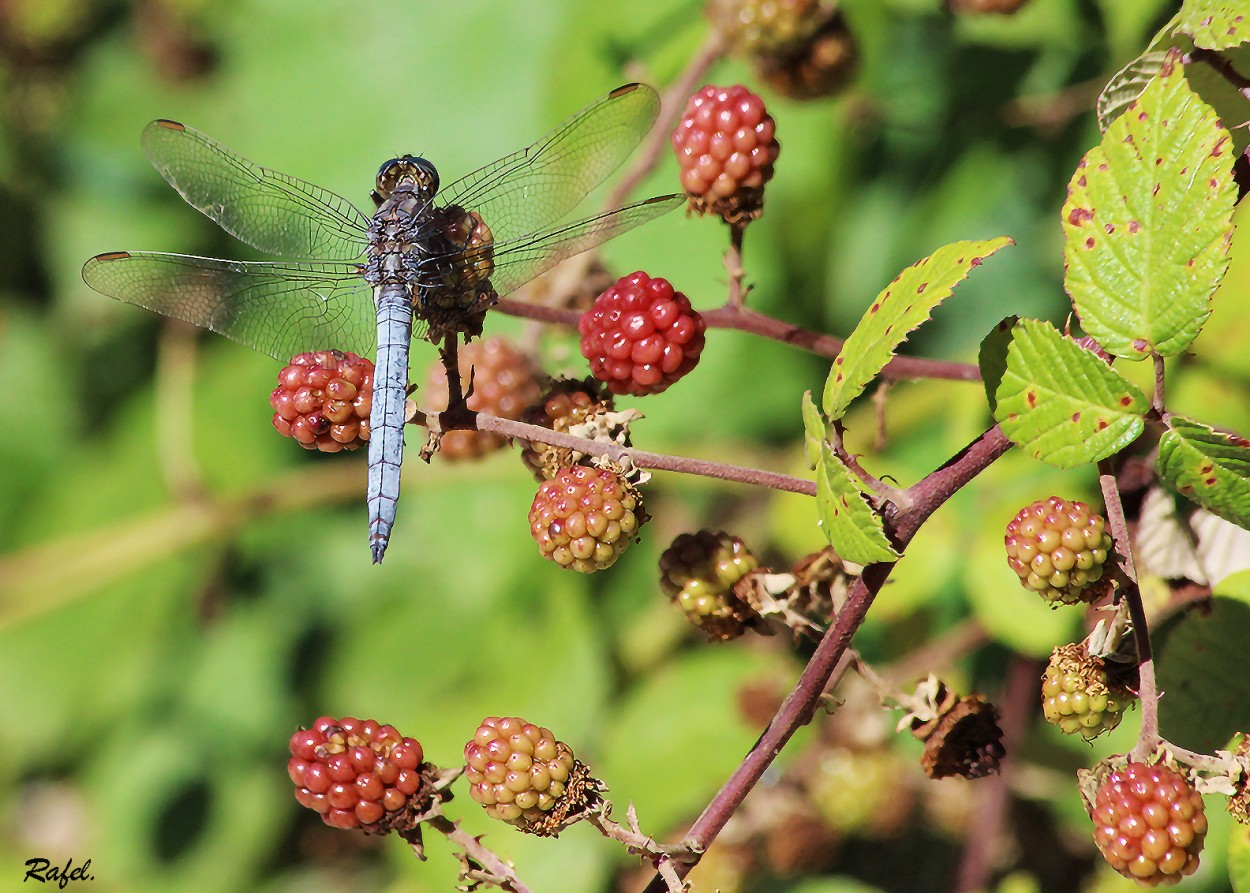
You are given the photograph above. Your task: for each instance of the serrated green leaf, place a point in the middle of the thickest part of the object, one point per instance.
(1061, 403)
(992, 358)
(1200, 658)
(851, 525)
(813, 430)
(1148, 221)
(902, 306)
(1209, 467)
(1216, 24)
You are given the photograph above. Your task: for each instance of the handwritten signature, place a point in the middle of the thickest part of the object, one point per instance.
(44, 871)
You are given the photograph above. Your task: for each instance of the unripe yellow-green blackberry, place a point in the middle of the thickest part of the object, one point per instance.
(1059, 549)
(1077, 695)
(521, 774)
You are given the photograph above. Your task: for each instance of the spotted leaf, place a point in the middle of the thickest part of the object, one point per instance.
(1148, 220)
(1215, 24)
(1061, 403)
(897, 311)
(1210, 467)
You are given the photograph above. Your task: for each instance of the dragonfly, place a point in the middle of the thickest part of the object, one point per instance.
(426, 263)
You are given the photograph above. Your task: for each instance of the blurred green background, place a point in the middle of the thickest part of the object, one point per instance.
(180, 588)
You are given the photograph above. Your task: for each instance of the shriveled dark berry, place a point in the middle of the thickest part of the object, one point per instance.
(323, 400)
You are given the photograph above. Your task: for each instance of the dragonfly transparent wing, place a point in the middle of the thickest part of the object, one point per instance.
(277, 308)
(531, 189)
(519, 261)
(274, 213)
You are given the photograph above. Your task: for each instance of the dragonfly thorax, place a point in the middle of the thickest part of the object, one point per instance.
(408, 171)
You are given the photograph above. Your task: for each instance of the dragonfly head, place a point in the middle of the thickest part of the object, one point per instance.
(417, 174)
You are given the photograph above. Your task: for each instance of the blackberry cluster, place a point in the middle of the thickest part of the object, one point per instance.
(1078, 696)
(585, 518)
(516, 770)
(699, 572)
(1149, 824)
(1059, 549)
(355, 773)
(505, 382)
(641, 335)
(323, 400)
(726, 145)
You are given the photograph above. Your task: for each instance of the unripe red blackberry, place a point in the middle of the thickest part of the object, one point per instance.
(565, 403)
(585, 518)
(1077, 695)
(356, 773)
(504, 384)
(1149, 824)
(641, 335)
(521, 774)
(726, 146)
(1058, 549)
(699, 572)
(756, 27)
(323, 399)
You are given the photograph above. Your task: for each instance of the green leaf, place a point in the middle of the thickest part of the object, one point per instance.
(813, 430)
(1216, 24)
(1209, 467)
(1148, 221)
(902, 306)
(852, 526)
(993, 357)
(1061, 403)
(1200, 658)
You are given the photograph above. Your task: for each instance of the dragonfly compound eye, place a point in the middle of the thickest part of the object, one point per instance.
(416, 173)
